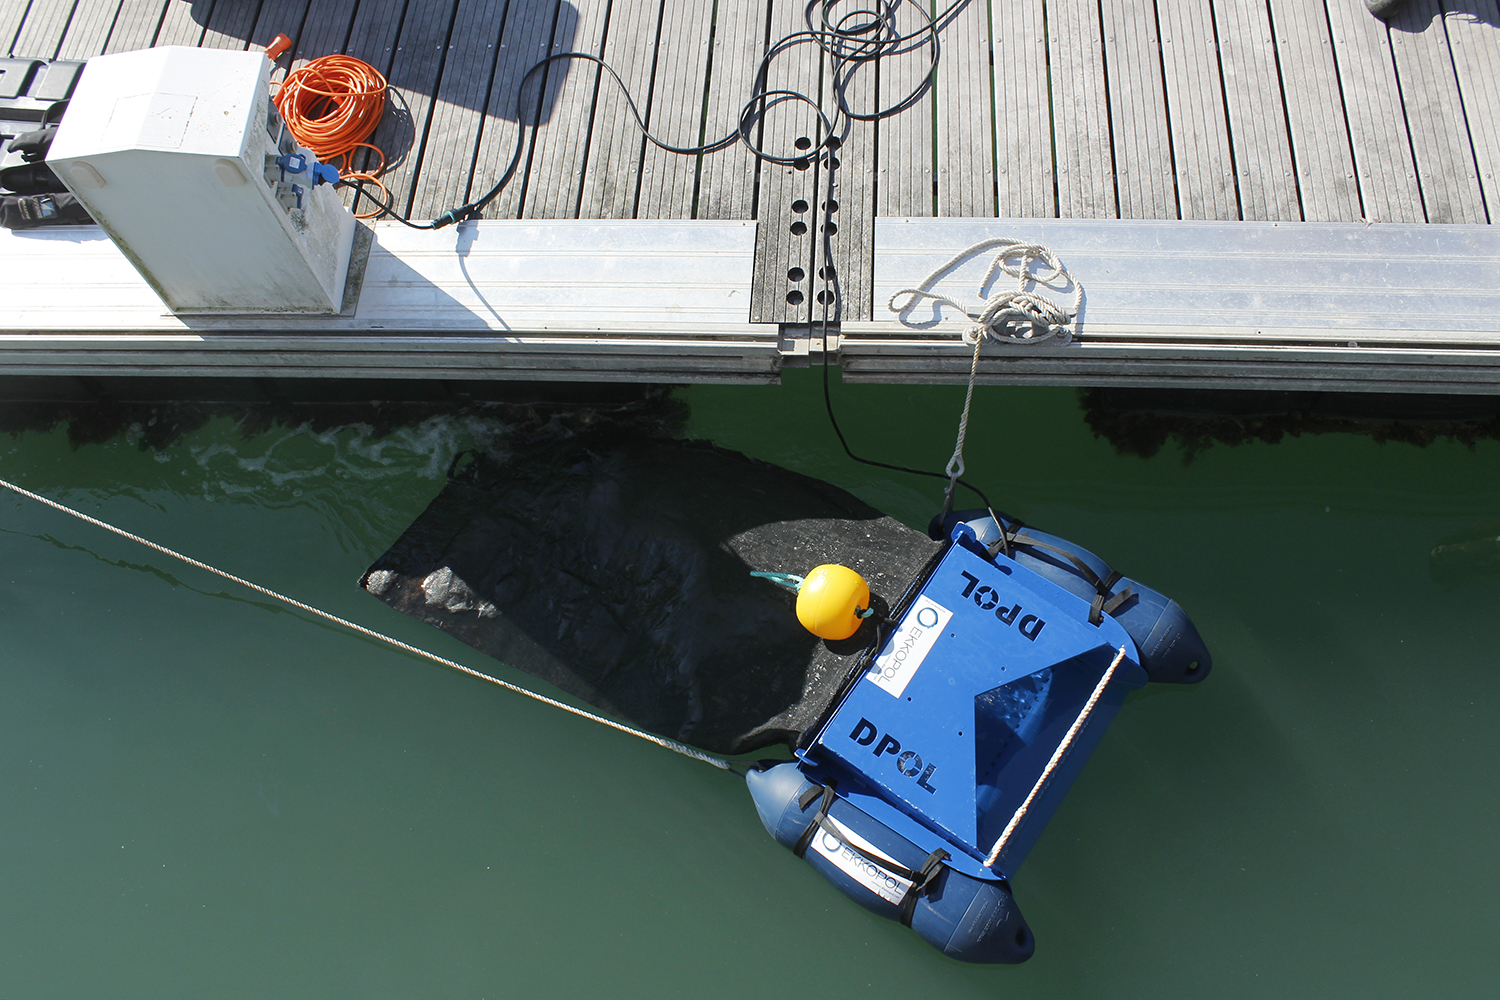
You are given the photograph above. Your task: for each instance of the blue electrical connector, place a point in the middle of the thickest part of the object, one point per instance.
(291, 162)
(297, 163)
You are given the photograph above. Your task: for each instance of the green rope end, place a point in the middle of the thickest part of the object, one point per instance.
(788, 580)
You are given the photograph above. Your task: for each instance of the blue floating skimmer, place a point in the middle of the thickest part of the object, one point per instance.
(935, 774)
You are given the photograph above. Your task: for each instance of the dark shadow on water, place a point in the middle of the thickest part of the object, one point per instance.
(97, 410)
(1142, 421)
(617, 567)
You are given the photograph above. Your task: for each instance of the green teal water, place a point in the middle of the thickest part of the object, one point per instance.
(205, 795)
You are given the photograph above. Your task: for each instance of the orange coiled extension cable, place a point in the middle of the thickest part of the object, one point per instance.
(332, 105)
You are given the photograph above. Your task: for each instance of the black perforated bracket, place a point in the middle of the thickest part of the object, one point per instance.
(814, 244)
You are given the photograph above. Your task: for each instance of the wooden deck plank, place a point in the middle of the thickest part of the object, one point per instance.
(89, 30)
(1138, 108)
(1443, 75)
(526, 41)
(1446, 172)
(560, 149)
(12, 15)
(1085, 165)
(459, 106)
(373, 37)
(1377, 127)
(42, 31)
(676, 112)
(1257, 115)
(1024, 171)
(612, 178)
(1321, 155)
(773, 282)
(137, 25)
(278, 17)
(904, 143)
(374, 32)
(1471, 26)
(843, 261)
(965, 122)
(324, 31)
(1195, 105)
(420, 48)
(178, 24)
(787, 228)
(726, 187)
(230, 25)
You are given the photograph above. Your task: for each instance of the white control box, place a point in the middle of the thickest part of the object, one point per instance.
(174, 152)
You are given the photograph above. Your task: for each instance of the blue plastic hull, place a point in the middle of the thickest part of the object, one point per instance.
(933, 777)
(974, 920)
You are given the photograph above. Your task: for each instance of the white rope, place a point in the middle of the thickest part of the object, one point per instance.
(955, 469)
(1057, 756)
(662, 741)
(1016, 317)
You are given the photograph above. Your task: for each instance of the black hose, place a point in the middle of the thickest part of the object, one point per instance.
(858, 37)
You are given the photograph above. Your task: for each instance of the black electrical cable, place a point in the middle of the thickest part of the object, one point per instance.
(857, 37)
(385, 207)
(828, 402)
(851, 39)
(828, 302)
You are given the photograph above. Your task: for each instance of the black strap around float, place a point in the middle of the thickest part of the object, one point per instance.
(919, 880)
(1006, 535)
(33, 146)
(1104, 602)
(1101, 594)
(800, 848)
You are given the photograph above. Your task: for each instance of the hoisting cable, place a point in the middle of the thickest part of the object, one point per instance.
(831, 302)
(1020, 316)
(661, 741)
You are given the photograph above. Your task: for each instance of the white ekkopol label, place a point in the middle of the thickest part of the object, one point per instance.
(887, 885)
(906, 650)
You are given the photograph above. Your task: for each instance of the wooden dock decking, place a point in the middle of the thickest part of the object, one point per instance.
(1223, 111)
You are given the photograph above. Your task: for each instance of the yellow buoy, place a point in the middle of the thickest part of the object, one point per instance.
(832, 600)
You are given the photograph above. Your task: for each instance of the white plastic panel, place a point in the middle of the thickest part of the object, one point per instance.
(168, 149)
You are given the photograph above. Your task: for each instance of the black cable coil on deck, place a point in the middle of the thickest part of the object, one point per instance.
(852, 36)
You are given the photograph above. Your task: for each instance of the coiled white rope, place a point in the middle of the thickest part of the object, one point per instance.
(1021, 316)
(661, 741)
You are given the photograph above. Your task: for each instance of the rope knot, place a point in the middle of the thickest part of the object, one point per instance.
(1019, 316)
